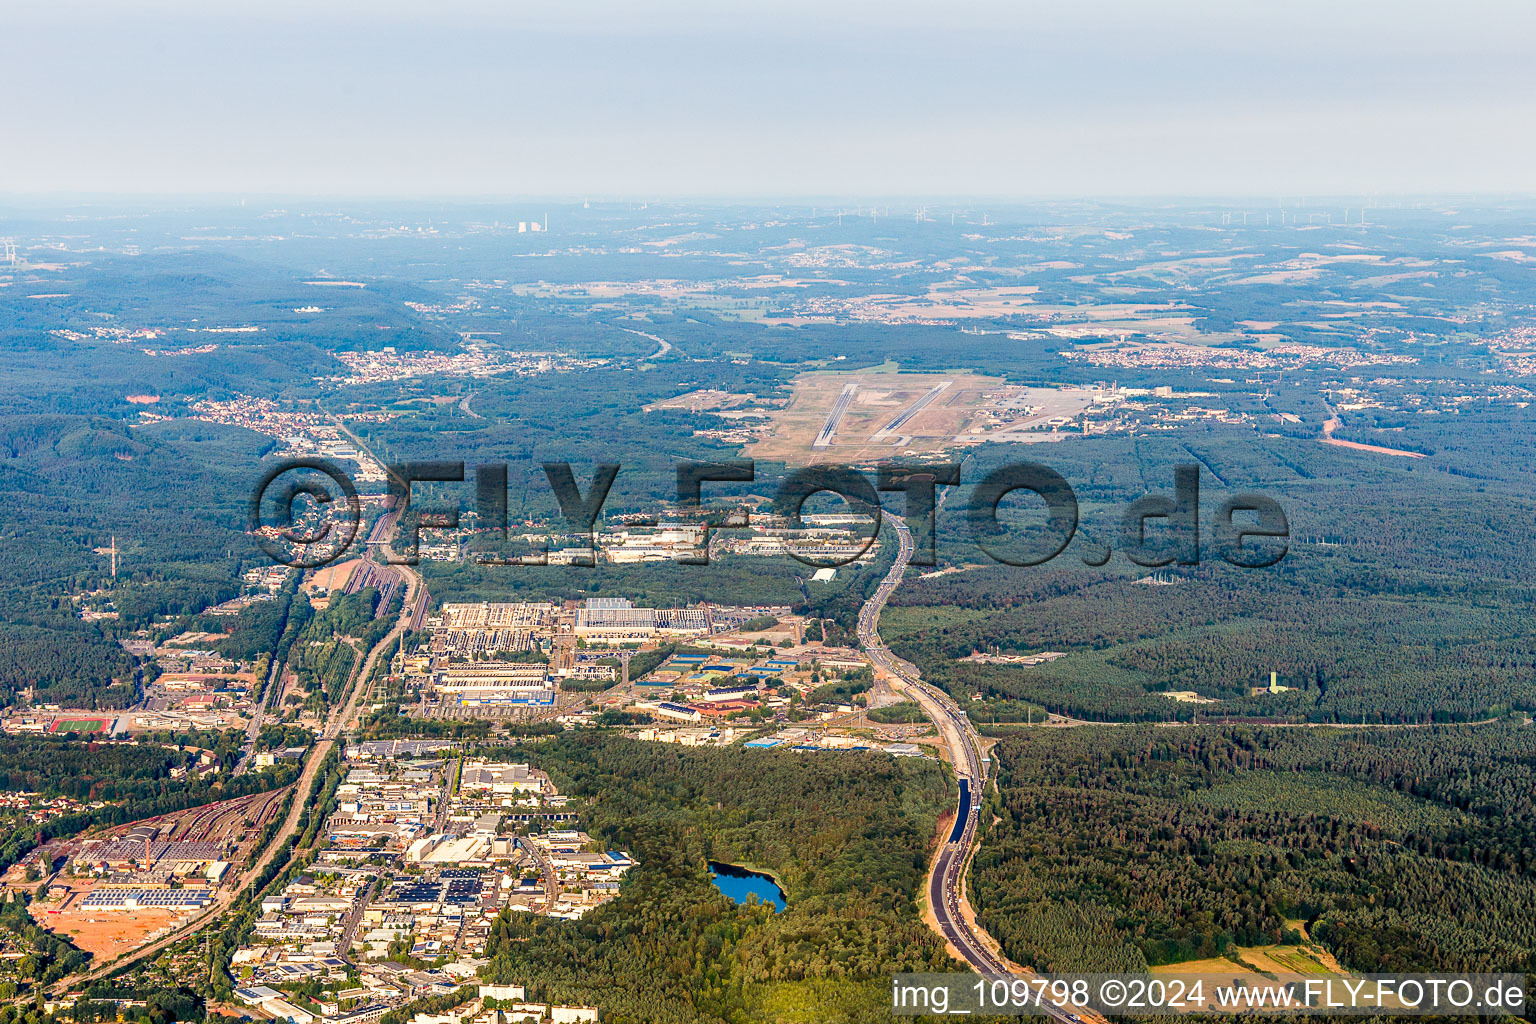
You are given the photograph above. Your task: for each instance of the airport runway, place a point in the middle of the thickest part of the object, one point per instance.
(829, 428)
(905, 416)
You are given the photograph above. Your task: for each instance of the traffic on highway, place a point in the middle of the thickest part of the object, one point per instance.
(964, 745)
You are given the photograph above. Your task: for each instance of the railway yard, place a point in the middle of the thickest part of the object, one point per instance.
(423, 848)
(115, 889)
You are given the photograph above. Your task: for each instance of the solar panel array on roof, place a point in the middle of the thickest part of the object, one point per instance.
(456, 887)
(133, 849)
(106, 899)
(412, 892)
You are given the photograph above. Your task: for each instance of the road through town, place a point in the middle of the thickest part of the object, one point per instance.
(341, 718)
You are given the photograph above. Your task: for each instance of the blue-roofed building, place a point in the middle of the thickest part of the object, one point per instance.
(730, 693)
(667, 709)
(520, 698)
(763, 744)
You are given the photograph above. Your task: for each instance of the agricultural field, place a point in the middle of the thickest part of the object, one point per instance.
(1256, 961)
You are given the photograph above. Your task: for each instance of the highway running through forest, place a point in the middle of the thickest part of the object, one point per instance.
(960, 736)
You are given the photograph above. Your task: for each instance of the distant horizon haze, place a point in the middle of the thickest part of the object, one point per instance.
(683, 99)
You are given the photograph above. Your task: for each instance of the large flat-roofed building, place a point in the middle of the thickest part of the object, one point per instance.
(457, 850)
(497, 616)
(484, 675)
(495, 682)
(730, 693)
(517, 698)
(667, 709)
(388, 750)
(176, 856)
(470, 630)
(136, 899)
(681, 620)
(516, 993)
(616, 618)
(254, 995)
(614, 615)
(468, 643)
(282, 1009)
(367, 1015)
(494, 777)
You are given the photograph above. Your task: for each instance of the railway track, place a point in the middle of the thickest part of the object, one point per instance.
(340, 720)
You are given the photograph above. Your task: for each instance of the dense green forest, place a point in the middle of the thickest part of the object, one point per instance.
(845, 834)
(1400, 599)
(72, 669)
(258, 628)
(1398, 849)
(83, 479)
(88, 770)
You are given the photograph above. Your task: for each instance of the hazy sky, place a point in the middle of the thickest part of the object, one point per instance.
(609, 98)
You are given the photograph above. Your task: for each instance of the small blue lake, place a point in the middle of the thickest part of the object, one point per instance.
(738, 883)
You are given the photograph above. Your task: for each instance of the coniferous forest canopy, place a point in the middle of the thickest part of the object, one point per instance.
(1399, 851)
(1422, 551)
(1376, 380)
(846, 836)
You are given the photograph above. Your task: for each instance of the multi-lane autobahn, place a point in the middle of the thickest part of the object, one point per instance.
(971, 767)
(965, 755)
